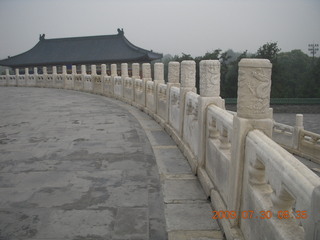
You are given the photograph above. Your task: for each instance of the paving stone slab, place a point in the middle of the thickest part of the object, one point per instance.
(196, 216)
(171, 161)
(183, 190)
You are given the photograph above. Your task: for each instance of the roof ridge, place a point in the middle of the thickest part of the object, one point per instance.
(83, 37)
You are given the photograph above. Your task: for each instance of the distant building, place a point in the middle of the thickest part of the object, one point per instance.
(106, 49)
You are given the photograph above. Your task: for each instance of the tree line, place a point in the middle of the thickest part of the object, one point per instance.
(294, 73)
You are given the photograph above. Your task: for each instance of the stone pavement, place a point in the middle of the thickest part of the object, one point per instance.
(78, 166)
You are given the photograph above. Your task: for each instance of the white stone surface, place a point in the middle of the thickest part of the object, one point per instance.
(146, 71)
(188, 73)
(158, 72)
(150, 96)
(174, 72)
(114, 70)
(136, 70)
(174, 108)
(210, 78)
(124, 70)
(191, 126)
(254, 86)
(162, 106)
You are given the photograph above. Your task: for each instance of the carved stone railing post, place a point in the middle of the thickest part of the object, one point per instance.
(135, 71)
(35, 71)
(124, 70)
(135, 75)
(158, 73)
(54, 70)
(74, 70)
(146, 76)
(64, 70)
(83, 70)
(114, 72)
(146, 71)
(26, 71)
(103, 70)
(297, 128)
(158, 78)
(188, 81)
(209, 94)
(124, 75)
(54, 75)
(93, 70)
(7, 76)
(173, 81)
(253, 112)
(44, 71)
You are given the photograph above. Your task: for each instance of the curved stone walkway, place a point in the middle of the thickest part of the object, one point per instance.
(80, 166)
(75, 166)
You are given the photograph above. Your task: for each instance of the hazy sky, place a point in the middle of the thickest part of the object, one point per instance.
(165, 26)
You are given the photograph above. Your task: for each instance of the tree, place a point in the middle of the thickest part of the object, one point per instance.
(268, 51)
(229, 76)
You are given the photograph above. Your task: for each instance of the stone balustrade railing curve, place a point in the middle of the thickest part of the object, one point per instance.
(257, 189)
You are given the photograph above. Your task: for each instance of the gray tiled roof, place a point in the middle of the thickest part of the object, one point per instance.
(81, 50)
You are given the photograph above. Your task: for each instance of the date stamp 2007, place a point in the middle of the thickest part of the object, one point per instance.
(250, 214)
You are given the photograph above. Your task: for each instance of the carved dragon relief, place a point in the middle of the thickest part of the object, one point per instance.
(256, 99)
(209, 81)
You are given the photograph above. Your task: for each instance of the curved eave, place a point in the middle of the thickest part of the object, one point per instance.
(6, 62)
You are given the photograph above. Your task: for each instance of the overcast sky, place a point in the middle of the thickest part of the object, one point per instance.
(165, 26)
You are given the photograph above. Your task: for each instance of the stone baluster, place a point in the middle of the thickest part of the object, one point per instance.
(253, 112)
(74, 69)
(44, 71)
(146, 72)
(124, 75)
(209, 94)
(124, 70)
(296, 132)
(146, 76)
(114, 70)
(135, 75)
(83, 70)
(103, 69)
(26, 73)
(17, 72)
(188, 81)
(93, 70)
(158, 79)
(114, 73)
(135, 70)
(35, 71)
(7, 76)
(158, 72)
(64, 70)
(54, 70)
(174, 73)
(173, 81)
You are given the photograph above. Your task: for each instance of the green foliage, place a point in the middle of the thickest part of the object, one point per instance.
(268, 51)
(294, 74)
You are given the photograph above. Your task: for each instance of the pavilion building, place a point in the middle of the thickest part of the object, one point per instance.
(92, 50)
